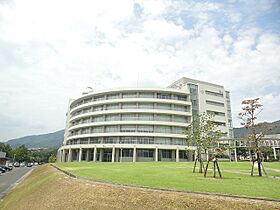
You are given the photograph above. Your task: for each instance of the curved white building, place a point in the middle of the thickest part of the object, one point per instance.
(130, 124)
(140, 124)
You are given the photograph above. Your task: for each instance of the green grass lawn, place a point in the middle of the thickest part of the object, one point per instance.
(236, 176)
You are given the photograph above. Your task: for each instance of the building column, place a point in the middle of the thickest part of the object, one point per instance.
(117, 155)
(235, 154)
(94, 154)
(207, 155)
(177, 155)
(156, 154)
(63, 155)
(113, 154)
(274, 152)
(80, 155)
(229, 155)
(70, 155)
(134, 154)
(87, 155)
(101, 155)
(173, 155)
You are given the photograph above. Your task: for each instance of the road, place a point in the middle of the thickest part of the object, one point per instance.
(8, 179)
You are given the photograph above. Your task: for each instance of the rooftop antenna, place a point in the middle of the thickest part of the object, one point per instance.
(137, 78)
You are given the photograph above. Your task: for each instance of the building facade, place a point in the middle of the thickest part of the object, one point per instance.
(140, 124)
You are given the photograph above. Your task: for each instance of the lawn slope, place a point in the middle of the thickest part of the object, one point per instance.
(46, 189)
(236, 179)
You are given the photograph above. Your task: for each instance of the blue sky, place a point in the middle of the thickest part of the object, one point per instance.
(51, 51)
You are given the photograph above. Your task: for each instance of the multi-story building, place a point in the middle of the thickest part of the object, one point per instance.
(210, 98)
(140, 124)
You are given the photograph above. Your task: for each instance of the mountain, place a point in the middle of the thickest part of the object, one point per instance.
(49, 140)
(54, 140)
(242, 132)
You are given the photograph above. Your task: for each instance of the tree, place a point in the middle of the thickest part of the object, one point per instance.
(204, 135)
(7, 149)
(250, 110)
(52, 158)
(22, 154)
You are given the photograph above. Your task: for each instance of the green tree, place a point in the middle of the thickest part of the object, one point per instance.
(204, 135)
(52, 158)
(22, 154)
(7, 149)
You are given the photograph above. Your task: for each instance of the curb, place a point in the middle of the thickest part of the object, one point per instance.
(10, 189)
(162, 189)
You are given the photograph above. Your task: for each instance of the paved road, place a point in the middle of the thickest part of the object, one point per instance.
(8, 179)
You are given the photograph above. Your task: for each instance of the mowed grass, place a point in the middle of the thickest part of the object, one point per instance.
(236, 176)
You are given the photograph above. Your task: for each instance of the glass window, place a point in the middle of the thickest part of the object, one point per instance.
(111, 128)
(129, 117)
(114, 117)
(128, 128)
(212, 93)
(146, 95)
(129, 95)
(163, 96)
(112, 106)
(113, 96)
(162, 129)
(129, 106)
(163, 117)
(97, 129)
(145, 128)
(215, 103)
(147, 117)
(166, 153)
(163, 106)
(145, 105)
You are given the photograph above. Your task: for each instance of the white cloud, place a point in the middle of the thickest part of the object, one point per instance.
(52, 50)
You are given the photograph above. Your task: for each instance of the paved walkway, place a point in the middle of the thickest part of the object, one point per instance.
(8, 179)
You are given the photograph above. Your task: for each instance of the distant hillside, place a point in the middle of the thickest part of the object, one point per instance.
(54, 140)
(49, 140)
(241, 132)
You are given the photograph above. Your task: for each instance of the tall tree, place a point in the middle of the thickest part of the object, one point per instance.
(22, 154)
(250, 110)
(204, 135)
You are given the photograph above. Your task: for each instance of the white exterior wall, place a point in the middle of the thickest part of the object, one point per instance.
(203, 97)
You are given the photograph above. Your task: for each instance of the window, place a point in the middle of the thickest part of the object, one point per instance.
(215, 103)
(127, 153)
(220, 94)
(147, 117)
(219, 123)
(129, 117)
(163, 96)
(113, 96)
(129, 106)
(162, 140)
(145, 128)
(98, 119)
(129, 95)
(162, 129)
(180, 108)
(179, 130)
(98, 108)
(163, 117)
(180, 119)
(98, 98)
(128, 128)
(163, 106)
(145, 153)
(112, 106)
(114, 117)
(166, 153)
(215, 113)
(97, 129)
(112, 128)
(145, 105)
(146, 95)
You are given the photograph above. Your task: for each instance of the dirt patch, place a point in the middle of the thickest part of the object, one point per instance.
(46, 188)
